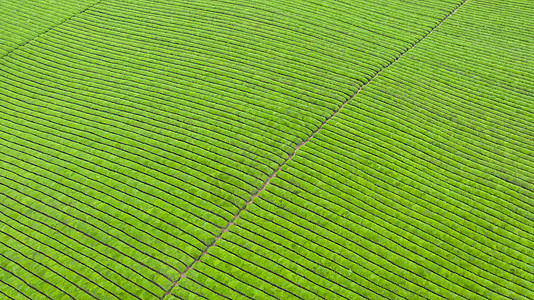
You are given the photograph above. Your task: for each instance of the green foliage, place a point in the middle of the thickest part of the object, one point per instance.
(133, 131)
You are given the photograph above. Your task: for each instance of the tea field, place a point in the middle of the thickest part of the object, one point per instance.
(311, 149)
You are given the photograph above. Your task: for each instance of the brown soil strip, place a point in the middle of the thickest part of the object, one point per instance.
(273, 175)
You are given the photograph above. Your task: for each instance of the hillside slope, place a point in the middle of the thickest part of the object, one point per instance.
(267, 149)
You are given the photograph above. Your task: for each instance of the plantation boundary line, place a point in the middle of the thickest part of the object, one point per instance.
(273, 175)
(47, 30)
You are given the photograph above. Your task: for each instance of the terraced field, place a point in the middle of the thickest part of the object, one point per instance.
(318, 149)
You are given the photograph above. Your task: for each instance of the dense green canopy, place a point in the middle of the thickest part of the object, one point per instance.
(318, 149)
